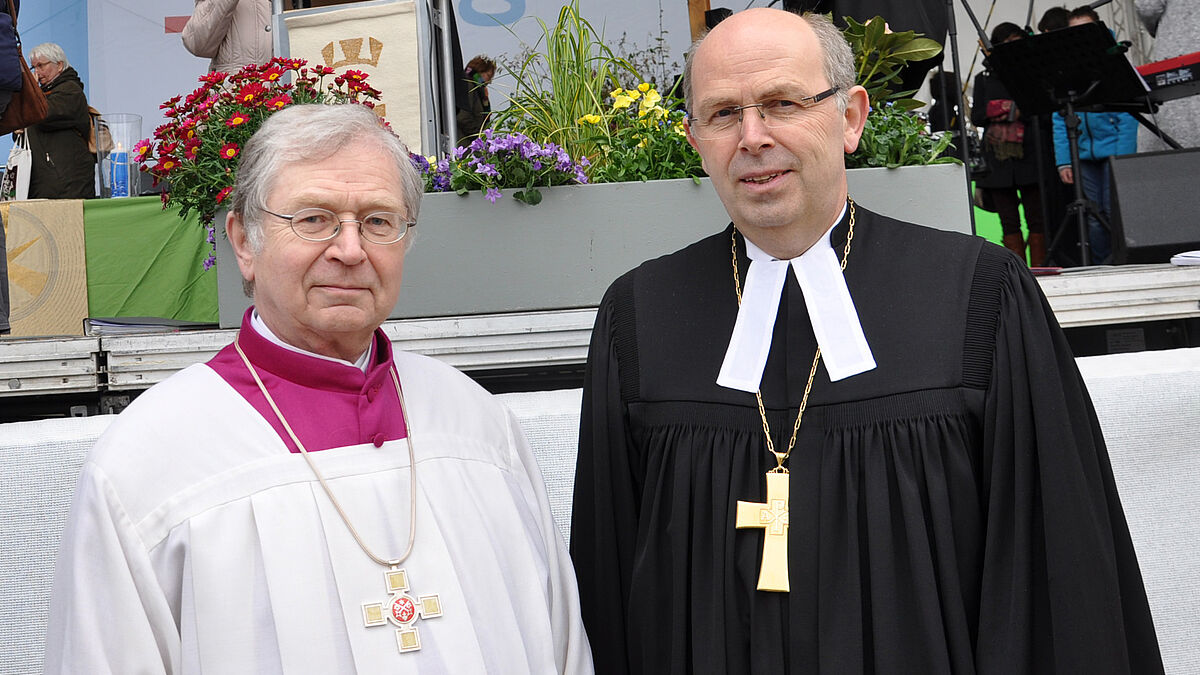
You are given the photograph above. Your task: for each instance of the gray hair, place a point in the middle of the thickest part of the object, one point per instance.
(837, 59)
(309, 133)
(50, 52)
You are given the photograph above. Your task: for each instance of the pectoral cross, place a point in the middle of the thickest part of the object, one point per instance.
(402, 610)
(772, 518)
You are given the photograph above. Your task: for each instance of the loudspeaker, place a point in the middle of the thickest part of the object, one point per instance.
(712, 17)
(1153, 205)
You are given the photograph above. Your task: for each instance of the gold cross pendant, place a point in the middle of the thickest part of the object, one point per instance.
(772, 518)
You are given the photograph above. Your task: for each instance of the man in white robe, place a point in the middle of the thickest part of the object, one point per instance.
(202, 540)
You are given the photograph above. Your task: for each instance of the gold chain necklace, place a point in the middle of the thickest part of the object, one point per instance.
(772, 516)
(401, 609)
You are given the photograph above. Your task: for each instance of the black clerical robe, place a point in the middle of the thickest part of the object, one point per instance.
(952, 510)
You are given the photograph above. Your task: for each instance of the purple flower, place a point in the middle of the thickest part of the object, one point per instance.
(492, 195)
(487, 170)
(419, 161)
(209, 262)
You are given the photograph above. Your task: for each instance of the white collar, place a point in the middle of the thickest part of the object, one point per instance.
(844, 347)
(261, 328)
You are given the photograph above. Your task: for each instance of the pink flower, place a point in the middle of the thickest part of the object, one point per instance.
(141, 149)
(230, 150)
(236, 120)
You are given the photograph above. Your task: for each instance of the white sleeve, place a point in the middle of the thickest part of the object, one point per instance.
(107, 612)
(572, 653)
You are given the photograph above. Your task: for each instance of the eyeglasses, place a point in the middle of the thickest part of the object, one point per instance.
(775, 113)
(39, 66)
(382, 227)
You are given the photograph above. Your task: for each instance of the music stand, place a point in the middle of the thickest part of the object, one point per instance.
(1063, 71)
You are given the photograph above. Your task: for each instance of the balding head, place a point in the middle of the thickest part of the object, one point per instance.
(837, 59)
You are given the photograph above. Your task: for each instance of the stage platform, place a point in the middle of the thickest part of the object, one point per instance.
(1131, 296)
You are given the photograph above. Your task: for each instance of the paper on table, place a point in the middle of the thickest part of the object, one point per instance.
(1186, 258)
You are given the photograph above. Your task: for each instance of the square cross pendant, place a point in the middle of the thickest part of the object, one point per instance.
(401, 610)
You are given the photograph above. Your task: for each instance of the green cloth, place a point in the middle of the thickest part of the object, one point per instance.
(143, 261)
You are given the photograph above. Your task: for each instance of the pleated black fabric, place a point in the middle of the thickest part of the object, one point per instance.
(952, 511)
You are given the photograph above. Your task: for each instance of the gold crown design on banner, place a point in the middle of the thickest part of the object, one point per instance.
(352, 50)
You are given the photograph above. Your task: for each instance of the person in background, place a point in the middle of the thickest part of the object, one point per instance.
(473, 112)
(1008, 144)
(1175, 26)
(62, 167)
(13, 67)
(1054, 19)
(233, 33)
(1101, 135)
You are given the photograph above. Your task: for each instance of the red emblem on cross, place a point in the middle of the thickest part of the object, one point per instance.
(402, 610)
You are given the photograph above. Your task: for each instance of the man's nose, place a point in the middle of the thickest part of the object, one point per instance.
(347, 245)
(754, 133)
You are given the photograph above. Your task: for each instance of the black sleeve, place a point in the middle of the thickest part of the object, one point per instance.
(1061, 589)
(979, 101)
(604, 516)
(65, 107)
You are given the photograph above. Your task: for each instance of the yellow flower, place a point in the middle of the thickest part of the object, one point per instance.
(642, 143)
(634, 94)
(678, 128)
(589, 118)
(652, 98)
(644, 87)
(622, 101)
(616, 92)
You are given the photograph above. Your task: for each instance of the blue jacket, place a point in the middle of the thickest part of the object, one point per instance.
(1101, 135)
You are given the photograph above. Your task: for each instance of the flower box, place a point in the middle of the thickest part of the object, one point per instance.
(474, 257)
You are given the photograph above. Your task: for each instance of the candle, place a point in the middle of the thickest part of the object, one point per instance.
(119, 160)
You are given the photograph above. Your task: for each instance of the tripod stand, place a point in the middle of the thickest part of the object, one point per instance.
(1081, 207)
(1063, 71)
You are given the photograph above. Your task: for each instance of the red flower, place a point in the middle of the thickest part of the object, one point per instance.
(279, 102)
(170, 103)
(230, 150)
(141, 149)
(322, 70)
(237, 119)
(250, 93)
(165, 164)
(189, 150)
(271, 74)
(355, 75)
(168, 148)
(215, 77)
(223, 194)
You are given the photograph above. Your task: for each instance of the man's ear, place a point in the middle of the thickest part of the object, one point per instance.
(235, 229)
(687, 127)
(855, 118)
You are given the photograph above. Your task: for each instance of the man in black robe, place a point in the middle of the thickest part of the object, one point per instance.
(951, 506)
